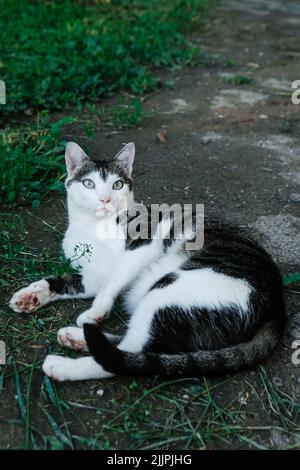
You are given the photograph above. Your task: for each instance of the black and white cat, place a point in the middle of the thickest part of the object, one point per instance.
(191, 312)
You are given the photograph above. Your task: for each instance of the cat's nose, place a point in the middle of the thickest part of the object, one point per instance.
(105, 200)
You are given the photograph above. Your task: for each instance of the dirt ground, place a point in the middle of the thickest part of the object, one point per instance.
(235, 148)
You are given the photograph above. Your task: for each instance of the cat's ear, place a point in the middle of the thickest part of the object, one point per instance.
(125, 158)
(74, 156)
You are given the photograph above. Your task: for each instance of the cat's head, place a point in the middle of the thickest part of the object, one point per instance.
(99, 187)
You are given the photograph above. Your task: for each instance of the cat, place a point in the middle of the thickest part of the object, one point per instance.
(217, 309)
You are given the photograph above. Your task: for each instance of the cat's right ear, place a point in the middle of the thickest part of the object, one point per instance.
(74, 156)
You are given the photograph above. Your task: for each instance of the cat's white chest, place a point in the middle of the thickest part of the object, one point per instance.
(93, 246)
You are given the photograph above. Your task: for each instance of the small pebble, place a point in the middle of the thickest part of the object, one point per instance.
(206, 140)
(277, 381)
(294, 197)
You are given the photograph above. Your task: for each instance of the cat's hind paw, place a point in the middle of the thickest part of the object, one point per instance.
(58, 367)
(31, 298)
(90, 316)
(72, 337)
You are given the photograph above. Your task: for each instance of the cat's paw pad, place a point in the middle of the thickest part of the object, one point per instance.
(72, 337)
(90, 316)
(57, 367)
(101, 319)
(30, 298)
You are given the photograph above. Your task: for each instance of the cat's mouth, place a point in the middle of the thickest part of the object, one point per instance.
(103, 211)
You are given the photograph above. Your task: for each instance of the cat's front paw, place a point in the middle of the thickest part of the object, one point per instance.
(31, 298)
(58, 368)
(91, 316)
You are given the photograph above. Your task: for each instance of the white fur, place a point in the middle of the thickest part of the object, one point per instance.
(82, 230)
(200, 288)
(62, 368)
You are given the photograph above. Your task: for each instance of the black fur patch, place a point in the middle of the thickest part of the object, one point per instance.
(99, 346)
(167, 242)
(67, 284)
(165, 281)
(102, 166)
(119, 170)
(137, 243)
(176, 330)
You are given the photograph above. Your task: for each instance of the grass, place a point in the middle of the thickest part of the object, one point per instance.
(237, 79)
(32, 162)
(287, 408)
(122, 115)
(55, 55)
(291, 278)
(25, 264)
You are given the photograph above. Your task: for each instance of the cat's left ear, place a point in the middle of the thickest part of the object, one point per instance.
(74, 156)
(125, 158)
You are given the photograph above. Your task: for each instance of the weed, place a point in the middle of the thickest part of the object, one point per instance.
(31, 162)
(230, 63)
(122, 115)
(238, 79)
(57, 54)
(291, 278)
(284, 406)
(23, 264)
(286, 127)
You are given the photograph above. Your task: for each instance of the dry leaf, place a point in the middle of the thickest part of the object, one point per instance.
(253, 65)
(161, 137)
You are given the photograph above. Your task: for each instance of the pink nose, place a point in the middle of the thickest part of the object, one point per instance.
(105, 200)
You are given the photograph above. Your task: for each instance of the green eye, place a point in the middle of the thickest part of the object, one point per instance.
(118, 184)
(88, 183)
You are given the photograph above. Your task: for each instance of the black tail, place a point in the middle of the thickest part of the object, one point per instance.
(227, 360)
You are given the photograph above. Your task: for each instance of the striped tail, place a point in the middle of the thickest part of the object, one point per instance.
(202, 362)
